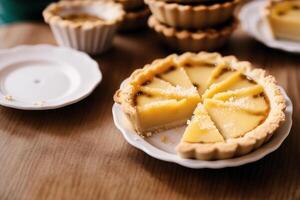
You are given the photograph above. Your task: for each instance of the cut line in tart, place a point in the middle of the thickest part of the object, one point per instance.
(251, 99)
(230, 109)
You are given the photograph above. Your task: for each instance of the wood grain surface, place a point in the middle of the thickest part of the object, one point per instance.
(77, 153)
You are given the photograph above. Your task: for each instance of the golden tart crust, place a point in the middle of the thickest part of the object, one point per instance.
(220, 150)
(192, 16)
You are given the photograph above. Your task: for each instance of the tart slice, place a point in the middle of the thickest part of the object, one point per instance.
(284, 19)
(155, 113)
(199, 69)
(201, 129)
(159, 86)
(199, 75)
(176, 76)
(232, 120)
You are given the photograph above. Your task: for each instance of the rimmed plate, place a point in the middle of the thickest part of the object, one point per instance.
(255, 24)
(45, 77)
(162, 145)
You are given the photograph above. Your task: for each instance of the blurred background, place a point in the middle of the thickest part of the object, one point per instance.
(22, 10)
(19, 10)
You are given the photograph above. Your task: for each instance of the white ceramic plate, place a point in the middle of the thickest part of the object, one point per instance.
(44, 77)
(165, 151)
(255, 24)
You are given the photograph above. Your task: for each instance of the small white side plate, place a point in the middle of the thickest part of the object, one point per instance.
(165, 151)
(255, 24)
(44, 77)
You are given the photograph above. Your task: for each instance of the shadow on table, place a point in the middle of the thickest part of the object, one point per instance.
(252, 181)
(62, 121)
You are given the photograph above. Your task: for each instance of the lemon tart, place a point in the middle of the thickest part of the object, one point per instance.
(284, 19)
(230, 109)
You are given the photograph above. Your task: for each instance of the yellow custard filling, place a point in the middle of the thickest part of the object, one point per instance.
(201, 129)
(232, 104)
(80, 18)
(284, 19)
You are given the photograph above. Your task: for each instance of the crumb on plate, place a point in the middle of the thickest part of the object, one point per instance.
(148, 134)
(8, 97)
(164, 139)
(39, 103)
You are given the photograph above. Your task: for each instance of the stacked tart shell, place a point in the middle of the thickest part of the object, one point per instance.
(193, 17)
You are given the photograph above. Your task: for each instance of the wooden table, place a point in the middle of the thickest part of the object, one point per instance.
(77, 153)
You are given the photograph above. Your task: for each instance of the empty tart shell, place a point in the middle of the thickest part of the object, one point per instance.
(184, 40)
(192, 16)
(135, 20)
(130, 5)
(91, 36)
